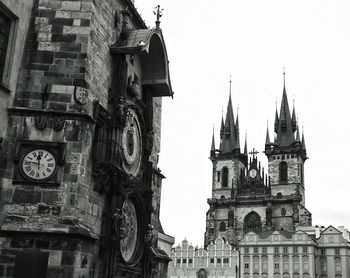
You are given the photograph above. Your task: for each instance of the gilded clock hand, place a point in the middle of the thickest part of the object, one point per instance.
(36, 163)
(39, 158)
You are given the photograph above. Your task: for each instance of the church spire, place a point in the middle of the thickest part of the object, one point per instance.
(285, 133)
(229, 138)
(245, 145)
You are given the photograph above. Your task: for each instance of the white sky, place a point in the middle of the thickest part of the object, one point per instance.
(252, 40)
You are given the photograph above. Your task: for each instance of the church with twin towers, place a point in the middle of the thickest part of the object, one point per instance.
(244, 197)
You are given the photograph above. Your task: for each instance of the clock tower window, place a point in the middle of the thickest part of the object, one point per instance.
(222, 227)
(218, 176)
(225, 177)
(283, 171)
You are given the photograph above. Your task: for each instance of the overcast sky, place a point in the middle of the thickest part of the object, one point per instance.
(253, 40)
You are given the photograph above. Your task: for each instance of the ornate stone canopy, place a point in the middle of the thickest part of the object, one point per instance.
(150, 46)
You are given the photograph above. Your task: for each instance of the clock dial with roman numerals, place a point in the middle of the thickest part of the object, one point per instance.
(39, 164)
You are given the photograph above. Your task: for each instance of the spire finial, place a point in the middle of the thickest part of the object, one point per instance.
(267, 140)
(159, 13)
(284, 78)
(230, 83)
(212, 149)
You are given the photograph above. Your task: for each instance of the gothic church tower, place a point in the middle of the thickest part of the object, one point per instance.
(286, 157)
(228, 161)
(245, 198)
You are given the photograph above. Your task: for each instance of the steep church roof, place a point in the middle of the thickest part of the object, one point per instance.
(285, 132)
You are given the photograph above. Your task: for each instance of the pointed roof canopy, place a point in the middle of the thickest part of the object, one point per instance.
(149, 44)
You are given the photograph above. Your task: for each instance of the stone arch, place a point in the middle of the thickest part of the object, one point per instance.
(252, 223)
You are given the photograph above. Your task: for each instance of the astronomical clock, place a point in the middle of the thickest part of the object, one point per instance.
(124, 151)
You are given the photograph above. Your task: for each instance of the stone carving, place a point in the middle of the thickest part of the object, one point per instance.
(119, 223)
(81, 95)
(58, 123)
(149, 140)
(120, 113)
(269, 217)
(150, 237)
(40, 122)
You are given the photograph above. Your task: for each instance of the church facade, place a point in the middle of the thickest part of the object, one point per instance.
(245, 197)
(262, 214)
(81, 87)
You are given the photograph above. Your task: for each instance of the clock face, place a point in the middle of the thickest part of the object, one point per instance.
(132, 144)
(39, 164)
(129, 244)
(252, 173)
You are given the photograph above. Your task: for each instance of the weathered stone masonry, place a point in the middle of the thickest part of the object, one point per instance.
(66, 73)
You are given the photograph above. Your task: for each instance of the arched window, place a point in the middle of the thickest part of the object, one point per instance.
(202, 273)
(252, 223)
(222, 227)
(283, 171)
(225, 177)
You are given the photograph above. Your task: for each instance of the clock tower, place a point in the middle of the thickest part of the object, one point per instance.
(80, 183)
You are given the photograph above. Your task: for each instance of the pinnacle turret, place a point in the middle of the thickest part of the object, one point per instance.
(303, 147)
(276, 120)
(237, 144)
(213, 142)
(297, 137)
(222, 129)
(267, 140)
(294, 118)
